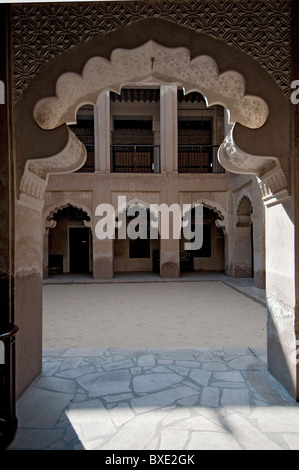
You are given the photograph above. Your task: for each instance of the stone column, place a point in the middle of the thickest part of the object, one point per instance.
(157, 154)
(280, 288)
(258, 225)
(103, 255)
(103, 250)
(170, 258)
(169, 245)
(282, 257)
(228, 237)
(169, 128)
(46, 253)
(242, 266)
(102, 133)
(169, 248)
(28, 291)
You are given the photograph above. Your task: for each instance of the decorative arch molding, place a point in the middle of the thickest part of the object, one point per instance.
(242, 219)
(35, 177)
(215, 205)
(222, 214)
(155, 63)
(51, 223)
(241, 195)
(185, 58)
(66, 200)
(270, 175)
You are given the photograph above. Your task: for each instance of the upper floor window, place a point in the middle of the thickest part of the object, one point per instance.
(200, 132)
(134, 126)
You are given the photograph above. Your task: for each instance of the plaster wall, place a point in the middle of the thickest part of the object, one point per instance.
(28, 293)
(280, 288)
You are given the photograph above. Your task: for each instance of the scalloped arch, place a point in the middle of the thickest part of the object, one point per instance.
(52, 210)
(151, 62)
(240, 198)
(216, 207)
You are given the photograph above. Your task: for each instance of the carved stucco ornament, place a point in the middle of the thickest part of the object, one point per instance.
(149, 63)
(68, 200)
(35, 176)
(269, 174)
(158, 64)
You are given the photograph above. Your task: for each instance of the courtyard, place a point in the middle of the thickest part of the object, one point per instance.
(130, 314)
(155, 366)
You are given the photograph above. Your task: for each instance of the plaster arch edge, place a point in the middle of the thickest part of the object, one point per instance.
(272, 179)
(267, 169)
(50, 211)
(150, 62)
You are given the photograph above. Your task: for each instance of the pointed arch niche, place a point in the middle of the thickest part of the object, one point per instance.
(155, 50)
(67, 239)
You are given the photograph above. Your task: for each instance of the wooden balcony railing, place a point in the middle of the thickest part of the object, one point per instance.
(135, 158)
(198, 159)
(146, 159)
(88, 166)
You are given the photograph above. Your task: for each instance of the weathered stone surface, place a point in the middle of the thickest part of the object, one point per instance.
(245, 363)
(230, 376)
(106, 383)
(38, 408)
(106, 411)
(161, 399)
(235, 397)
(200, 376)
(210, 397)
(155, 382)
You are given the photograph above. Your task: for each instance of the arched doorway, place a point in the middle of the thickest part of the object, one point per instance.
(211, 255)
(253, 146)
(134, 249)
(69, 242)
(243, 240)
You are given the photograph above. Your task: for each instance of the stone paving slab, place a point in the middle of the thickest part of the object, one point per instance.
(156, 399)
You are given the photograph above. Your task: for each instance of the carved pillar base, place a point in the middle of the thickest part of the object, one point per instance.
(242, 264)
(103, 259)
(169, 258)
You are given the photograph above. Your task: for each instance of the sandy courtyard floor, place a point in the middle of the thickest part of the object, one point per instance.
(130, 315)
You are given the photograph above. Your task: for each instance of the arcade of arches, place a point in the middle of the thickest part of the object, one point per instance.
(159, 113)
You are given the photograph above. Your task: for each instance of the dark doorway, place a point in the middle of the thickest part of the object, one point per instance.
(79, 249)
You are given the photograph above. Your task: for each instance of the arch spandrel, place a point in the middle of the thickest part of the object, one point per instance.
(199, 62)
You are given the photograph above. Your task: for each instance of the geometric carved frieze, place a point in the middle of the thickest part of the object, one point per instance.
(41, 31)
(273, 187)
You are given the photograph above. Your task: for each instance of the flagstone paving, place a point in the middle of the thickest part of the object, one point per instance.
(156, 399)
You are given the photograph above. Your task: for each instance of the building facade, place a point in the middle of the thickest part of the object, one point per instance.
(125, 138)
(162, 102)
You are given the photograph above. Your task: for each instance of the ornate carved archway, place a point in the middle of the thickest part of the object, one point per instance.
(259, 142)
(153, 61)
